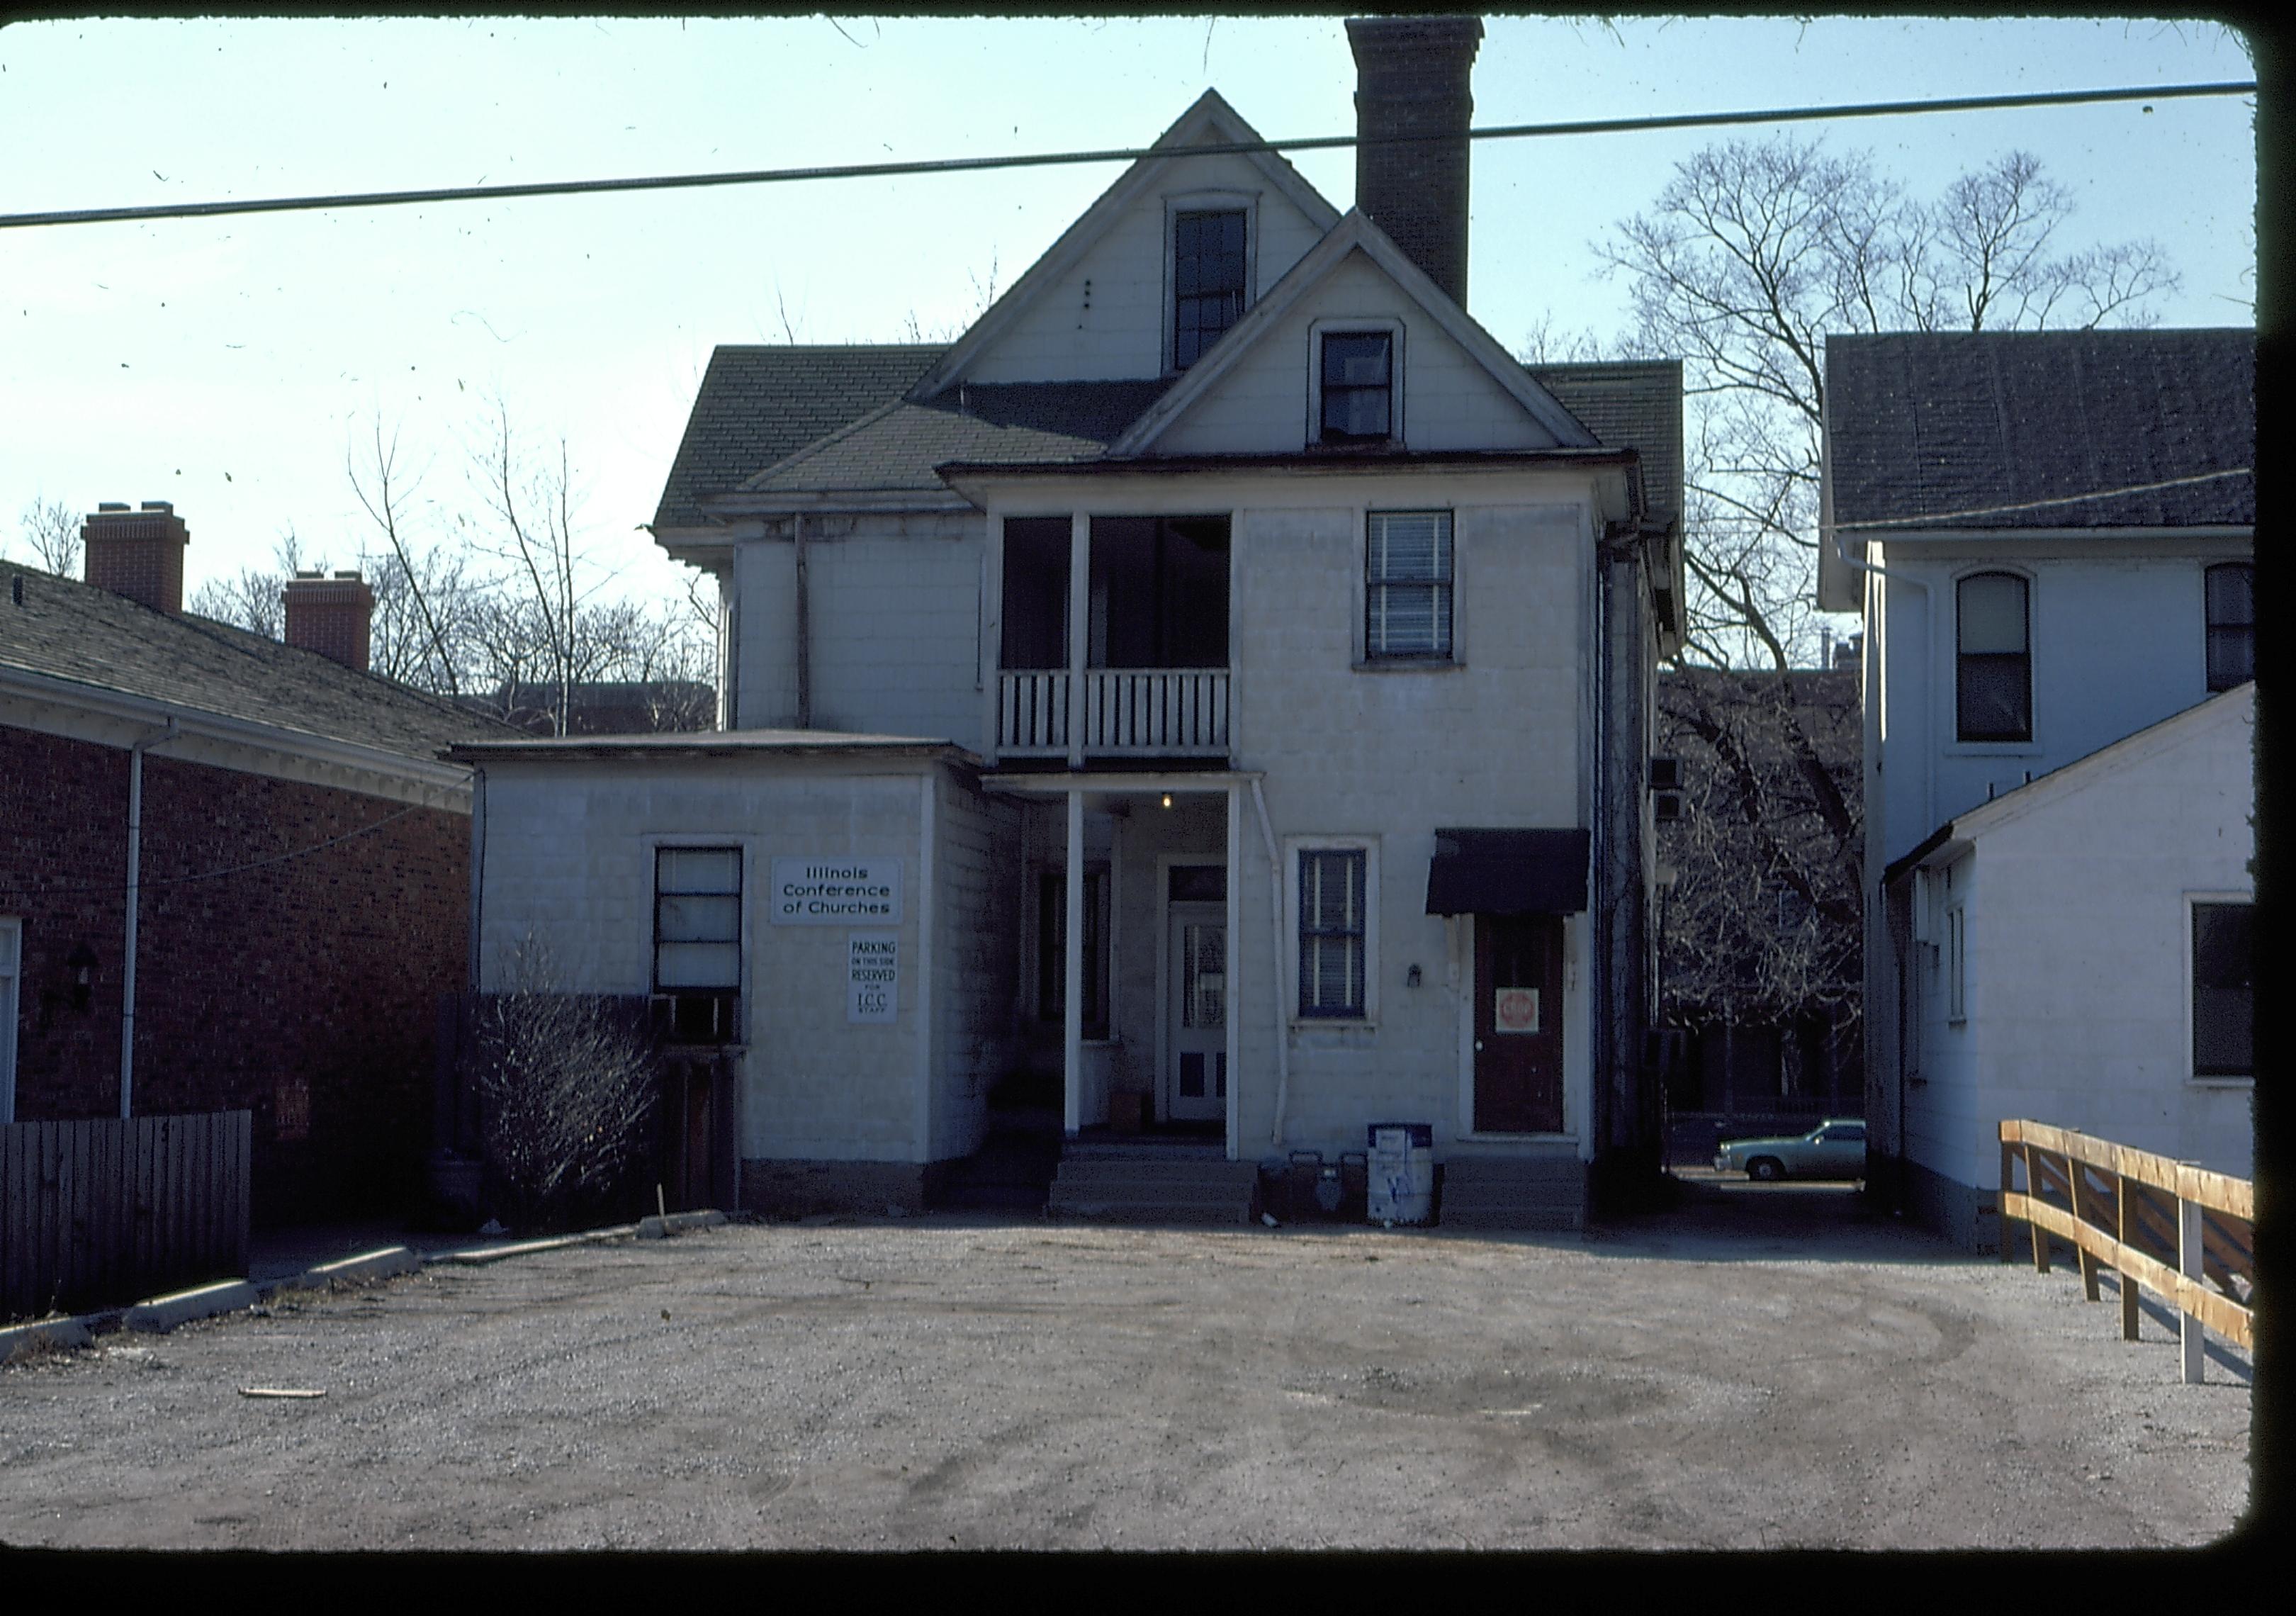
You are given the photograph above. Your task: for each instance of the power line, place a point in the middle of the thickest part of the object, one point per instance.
(234, 869)
(1043, 160)
(1917, 518)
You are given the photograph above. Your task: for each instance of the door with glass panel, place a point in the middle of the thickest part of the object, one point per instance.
(1195, 1060)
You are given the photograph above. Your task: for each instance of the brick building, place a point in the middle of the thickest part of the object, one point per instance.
(299, 868)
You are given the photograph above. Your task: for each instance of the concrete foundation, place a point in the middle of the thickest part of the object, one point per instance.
(796, 1188)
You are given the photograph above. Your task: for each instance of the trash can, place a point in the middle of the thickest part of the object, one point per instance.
(1402, 1187)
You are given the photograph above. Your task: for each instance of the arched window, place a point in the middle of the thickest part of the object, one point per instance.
(1994, 659)
(2231, 625)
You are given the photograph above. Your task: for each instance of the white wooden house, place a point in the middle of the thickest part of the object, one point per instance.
(1223, 677)
(2052, 538)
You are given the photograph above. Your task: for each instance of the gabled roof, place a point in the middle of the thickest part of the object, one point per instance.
(760, 405)
(85, 636)
(1355, 233)
(1209, 121)
(1922, 425)
(2098, 767)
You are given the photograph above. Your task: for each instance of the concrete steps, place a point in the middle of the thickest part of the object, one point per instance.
(1120, 1183)
(1514, 1193)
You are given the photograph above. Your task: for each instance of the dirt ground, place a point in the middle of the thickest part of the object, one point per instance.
(1765, 1368)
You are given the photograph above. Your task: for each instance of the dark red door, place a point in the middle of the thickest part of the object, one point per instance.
(1518, 1024)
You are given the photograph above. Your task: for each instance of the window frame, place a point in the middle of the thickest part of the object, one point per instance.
(2212, 627)
(1447, 588)
(1204, 201)
(737, 997)
(1362, 326)
(1296, 849)
(2194, 902)
(1962, 659)
(1052, 961)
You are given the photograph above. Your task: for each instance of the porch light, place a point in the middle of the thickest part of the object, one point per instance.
(1167, 799)
(81, 963)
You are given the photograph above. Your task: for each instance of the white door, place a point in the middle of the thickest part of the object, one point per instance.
(1195, 1058)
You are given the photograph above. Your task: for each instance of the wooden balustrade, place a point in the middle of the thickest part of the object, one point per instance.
(2169, 1226)
(1121, 711)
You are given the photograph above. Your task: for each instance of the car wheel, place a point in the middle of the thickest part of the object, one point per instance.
(1765, 1170)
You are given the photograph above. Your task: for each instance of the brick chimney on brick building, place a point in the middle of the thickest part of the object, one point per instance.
(137, 553)
(1411, 80)
(332, 616)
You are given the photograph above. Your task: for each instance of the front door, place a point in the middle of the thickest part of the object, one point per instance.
(1518, 1024)
(1195, 1061)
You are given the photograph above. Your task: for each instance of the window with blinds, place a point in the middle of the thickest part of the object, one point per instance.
(1331, 933)
(1407, 587)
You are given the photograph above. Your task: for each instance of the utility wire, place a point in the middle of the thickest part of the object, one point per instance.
(253, 864)
(963, 165)
(1915, 518)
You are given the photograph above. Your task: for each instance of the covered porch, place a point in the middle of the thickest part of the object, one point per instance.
(1131, 927)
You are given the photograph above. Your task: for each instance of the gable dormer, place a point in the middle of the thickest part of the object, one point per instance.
(1146, 281)
(1355, 351)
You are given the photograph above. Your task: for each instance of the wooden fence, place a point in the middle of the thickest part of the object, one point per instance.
(2167, 1224)
(103, 1212)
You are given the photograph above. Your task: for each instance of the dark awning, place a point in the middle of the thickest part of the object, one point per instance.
(1508, 873)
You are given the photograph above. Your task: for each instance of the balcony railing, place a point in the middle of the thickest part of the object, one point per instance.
(1148, 712)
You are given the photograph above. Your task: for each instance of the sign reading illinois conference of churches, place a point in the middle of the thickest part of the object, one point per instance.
(836, 891)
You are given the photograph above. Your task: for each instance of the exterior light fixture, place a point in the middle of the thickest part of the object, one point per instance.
(1167, 799)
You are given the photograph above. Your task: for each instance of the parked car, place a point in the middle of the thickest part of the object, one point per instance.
(1833, 1149)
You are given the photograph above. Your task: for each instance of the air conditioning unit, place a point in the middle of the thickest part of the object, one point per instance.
(1666, 774)
(1666, 807)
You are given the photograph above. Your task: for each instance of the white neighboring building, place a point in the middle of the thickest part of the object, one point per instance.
(2082, 950)
(1240, 665)
(2052, 538)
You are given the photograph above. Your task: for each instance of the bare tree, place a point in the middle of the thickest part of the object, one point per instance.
(254, 600)
(50, 530)
(1750, 256)
(384, 493)
(533, 503)
(568, 1087)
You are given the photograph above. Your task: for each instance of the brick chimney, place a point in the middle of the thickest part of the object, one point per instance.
(1411, 79)
(332, 616)
(137, 553)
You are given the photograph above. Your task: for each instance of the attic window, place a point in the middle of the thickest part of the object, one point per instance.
(1208, 274)
(1359, 386)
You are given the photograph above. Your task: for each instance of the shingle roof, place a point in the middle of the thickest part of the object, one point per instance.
(1629, 404)
(1923, 425)
(1010, 424)
(75, 631)
(760, 405)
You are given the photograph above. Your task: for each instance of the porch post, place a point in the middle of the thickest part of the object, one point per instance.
(1234, 965)
(1079, 645)
(1072, 974)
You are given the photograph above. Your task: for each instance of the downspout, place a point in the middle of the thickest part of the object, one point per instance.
(134, 890)
(1276, 948)
(1597, 976)
(1929, 816)
(804, 629)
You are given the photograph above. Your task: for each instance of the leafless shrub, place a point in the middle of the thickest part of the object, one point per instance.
(566, 1086)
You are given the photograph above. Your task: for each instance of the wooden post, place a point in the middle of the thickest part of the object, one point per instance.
(2193, 1335)
(2001, 1196)
(2123, 1230)
(2076, 1171)
(2040, 1236)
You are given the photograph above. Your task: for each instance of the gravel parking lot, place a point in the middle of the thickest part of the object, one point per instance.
(1762, 1369)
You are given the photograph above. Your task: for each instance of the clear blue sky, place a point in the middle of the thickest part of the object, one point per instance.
(225, 363)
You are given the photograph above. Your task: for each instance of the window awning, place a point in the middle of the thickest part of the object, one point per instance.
(1479, 871)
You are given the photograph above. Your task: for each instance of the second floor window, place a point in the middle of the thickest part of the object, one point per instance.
(1359, 386)
(1407, 585)
(1208, 271)
(1992, 669)
(2231, 625)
